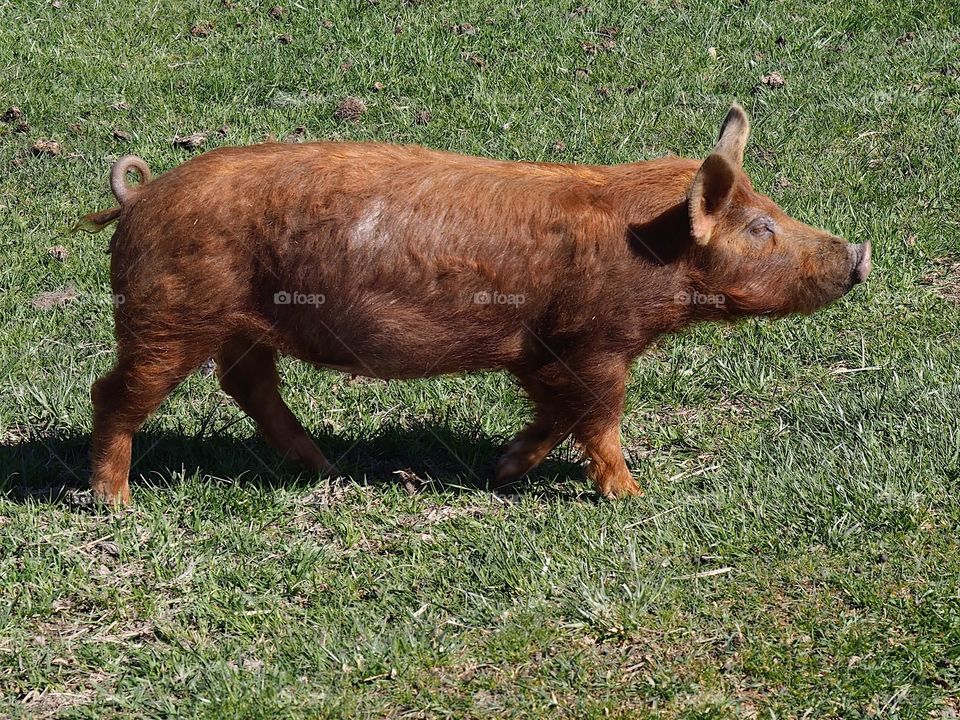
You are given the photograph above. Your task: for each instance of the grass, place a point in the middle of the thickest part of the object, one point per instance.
(796, 551)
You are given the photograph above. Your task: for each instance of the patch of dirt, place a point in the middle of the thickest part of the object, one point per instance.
(443, 513)
(330, 493)
(54, 298)
(944, 277)
(49, 703)
(119, 134)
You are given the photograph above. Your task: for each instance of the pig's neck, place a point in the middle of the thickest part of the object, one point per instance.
(665, 287)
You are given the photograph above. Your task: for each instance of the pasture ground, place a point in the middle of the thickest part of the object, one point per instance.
(796, 553)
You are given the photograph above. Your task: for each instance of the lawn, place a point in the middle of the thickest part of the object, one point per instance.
(796, 552)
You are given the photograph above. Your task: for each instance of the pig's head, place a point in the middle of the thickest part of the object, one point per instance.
(748, 256)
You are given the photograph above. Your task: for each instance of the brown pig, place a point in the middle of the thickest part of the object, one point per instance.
(401, 262)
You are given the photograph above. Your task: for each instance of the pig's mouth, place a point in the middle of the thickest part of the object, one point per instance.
(860, 262)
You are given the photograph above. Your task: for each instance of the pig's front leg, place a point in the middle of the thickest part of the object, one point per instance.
(596, 396)
(607, 467)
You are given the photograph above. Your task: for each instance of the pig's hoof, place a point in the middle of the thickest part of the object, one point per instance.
(509, 470)
(619, 488)
(111, 497)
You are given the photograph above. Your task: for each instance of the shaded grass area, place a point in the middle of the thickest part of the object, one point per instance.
(795, 554)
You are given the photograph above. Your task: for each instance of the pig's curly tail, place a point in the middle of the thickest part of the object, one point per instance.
(118, 176)
(97, 221)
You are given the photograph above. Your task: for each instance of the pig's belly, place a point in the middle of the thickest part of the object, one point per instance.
(392, 346)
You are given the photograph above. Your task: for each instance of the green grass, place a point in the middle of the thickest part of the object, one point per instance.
(813, 463)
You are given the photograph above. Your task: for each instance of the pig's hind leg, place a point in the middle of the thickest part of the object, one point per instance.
(122, 400)
(586, 395)
(248, 373)
(532, 444)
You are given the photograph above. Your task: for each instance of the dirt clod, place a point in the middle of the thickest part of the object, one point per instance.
(296, 135)
(190, 142)
(423, 117)
(285, 39)
(350, 109)
(201, 30)
(276, 12)
(773, 80)
(474, 59)
(45, 147)
(58, 252)
(12, 114)
(119, 134)
(558, 146)
(463, 29)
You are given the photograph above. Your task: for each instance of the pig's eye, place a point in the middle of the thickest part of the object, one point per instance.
(762, 228)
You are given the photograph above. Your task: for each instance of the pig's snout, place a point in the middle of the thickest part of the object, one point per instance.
(860, 264)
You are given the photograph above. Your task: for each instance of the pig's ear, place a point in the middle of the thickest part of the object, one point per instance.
(733, 135)
(709, 195)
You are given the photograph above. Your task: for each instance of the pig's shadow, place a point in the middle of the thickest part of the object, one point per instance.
(430, 458)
